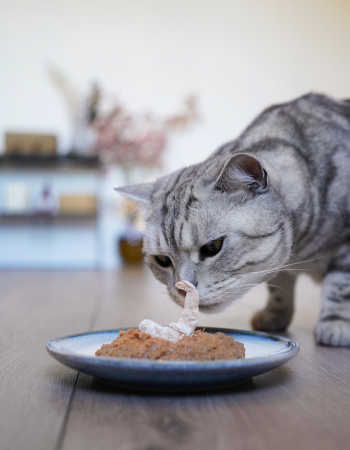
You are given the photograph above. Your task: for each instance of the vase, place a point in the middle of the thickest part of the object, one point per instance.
(130, 245)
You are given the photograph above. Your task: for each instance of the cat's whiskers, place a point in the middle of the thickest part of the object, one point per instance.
(238, 290)
(241, 288)
(251, 276)
(281, 267)
(236, 282)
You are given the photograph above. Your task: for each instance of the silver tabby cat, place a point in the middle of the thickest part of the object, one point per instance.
(275, 197)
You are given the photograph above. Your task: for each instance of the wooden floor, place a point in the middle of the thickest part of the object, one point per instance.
(44, 405)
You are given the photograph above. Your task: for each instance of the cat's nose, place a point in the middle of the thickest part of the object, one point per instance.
(182, 292)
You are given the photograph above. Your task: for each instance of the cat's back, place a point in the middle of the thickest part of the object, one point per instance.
(315, 125)
(315, 122)
(307, 143)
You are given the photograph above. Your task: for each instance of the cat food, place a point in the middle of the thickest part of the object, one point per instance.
(201, 346)
(177, 342)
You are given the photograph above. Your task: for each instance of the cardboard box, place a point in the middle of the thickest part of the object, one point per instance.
(84, 205)
(30, 144)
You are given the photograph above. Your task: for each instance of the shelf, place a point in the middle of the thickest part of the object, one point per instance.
(28, 219)
(70, 161)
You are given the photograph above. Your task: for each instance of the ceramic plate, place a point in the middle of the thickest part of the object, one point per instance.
(264, 352)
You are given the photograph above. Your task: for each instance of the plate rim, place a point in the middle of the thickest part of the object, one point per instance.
(292, 350)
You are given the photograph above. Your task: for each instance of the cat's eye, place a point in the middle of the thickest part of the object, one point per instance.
(163, 261)
(211, 249)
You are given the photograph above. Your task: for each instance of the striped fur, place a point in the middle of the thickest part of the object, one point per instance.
(301, 213)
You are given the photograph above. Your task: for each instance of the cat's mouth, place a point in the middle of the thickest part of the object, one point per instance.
(202, 307)
(213, 308)
(208, 307)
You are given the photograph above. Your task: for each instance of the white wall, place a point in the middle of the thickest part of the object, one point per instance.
(239, 56)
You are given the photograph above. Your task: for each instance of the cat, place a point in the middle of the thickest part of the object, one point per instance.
(274, 200)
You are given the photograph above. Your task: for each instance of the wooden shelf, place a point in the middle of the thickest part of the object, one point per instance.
(28, 219)
(70, 161)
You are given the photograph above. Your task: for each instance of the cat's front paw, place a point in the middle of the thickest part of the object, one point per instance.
(266, 320)
(335, 333)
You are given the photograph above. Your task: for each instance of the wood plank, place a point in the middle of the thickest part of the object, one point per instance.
(34, 389)
(305, 404)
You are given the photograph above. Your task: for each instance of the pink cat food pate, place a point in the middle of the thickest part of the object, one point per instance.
(201, 346)
(178, 342)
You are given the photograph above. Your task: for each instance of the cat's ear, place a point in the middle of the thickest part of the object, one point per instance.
(141, 193)
(242, 171)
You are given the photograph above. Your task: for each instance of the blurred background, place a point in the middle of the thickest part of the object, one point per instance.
(95, 94)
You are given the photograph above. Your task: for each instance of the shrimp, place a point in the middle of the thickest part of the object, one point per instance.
(187, 323)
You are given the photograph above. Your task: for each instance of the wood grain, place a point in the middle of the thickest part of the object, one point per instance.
(303, 405)
(34, 389)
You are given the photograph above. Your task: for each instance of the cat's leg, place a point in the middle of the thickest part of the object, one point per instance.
(280, 306)
(333, 327)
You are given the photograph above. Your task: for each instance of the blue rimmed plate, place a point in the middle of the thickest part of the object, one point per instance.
(264, 352)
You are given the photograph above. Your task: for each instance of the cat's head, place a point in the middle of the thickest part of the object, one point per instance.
(220, 224)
